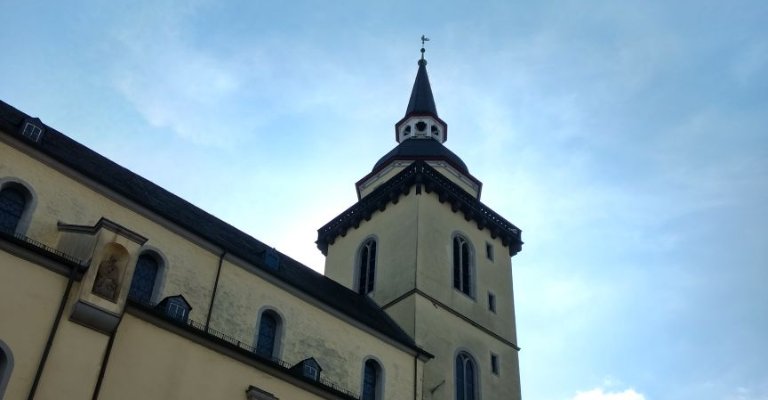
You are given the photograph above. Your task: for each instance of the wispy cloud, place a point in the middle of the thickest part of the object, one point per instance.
(601, 394)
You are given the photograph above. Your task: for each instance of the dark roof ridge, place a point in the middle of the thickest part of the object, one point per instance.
(209, 227)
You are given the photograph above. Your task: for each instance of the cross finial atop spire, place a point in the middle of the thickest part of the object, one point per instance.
(423, 40)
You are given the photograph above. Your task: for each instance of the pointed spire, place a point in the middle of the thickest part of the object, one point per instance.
(422, 102)
(421, 120)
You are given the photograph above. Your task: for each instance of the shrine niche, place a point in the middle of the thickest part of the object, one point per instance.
(110, 271)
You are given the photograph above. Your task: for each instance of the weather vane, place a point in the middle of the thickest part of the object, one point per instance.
(423, 39)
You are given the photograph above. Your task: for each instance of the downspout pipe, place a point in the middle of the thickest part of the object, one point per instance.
(52, 334)
(415, 376)
(215, 289)
(105, 361)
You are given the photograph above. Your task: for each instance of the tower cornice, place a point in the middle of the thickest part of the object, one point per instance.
(420, 176)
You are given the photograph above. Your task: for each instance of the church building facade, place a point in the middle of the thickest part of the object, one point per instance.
(113, 288)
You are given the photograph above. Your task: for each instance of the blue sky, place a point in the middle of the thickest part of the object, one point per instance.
(629, 141)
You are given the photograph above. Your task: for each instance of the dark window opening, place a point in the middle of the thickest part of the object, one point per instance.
(489, 251)
(492, 302)
(495, 364)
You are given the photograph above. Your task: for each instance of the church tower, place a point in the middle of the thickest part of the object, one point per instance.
(420, 244)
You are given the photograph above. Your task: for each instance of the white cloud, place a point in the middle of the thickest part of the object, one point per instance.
(600, 394)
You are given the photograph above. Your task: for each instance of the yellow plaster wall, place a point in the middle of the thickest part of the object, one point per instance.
(339, 346)
(29, 299)
(191, 268)
(395, 231)
(148, 362)
(74, 361)
(308, 331)
(444, 335)
(404, 312)
(437, 224)
(420, 223)
(435, 329)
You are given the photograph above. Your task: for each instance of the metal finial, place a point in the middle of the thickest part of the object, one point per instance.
(423, 39)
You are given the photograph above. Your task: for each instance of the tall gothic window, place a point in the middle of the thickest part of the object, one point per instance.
(462, 265)
(267, 336)
(466, 377)
(12, 205)
(144, 278)
(367, 267)
(371, 381)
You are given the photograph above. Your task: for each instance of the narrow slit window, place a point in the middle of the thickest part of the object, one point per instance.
(492, 302)
(489, 251)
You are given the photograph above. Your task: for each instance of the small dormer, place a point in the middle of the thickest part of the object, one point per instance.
(32, 129)
(175, 307)
(308, 368)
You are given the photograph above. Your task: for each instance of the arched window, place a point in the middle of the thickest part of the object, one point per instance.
(268, 334)
(372, 388)
(13, 201)
(366, 272)
(144, 278)
(466, 377)
(6, 366)
(462, 265)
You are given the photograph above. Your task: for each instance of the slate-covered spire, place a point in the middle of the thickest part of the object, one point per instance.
(421, 120)
(422, 102)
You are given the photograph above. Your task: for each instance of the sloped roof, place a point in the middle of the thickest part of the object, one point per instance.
(422, 102)
(422, 149)
(195, 220)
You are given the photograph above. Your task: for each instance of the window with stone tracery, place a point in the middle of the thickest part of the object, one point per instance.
(462, 266)
(144, 278)
(371, 381)
(366, 273)
(13, 202)
(466, 377)
(268, 333)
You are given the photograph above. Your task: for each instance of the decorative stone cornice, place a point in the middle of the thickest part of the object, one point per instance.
(420, 175)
